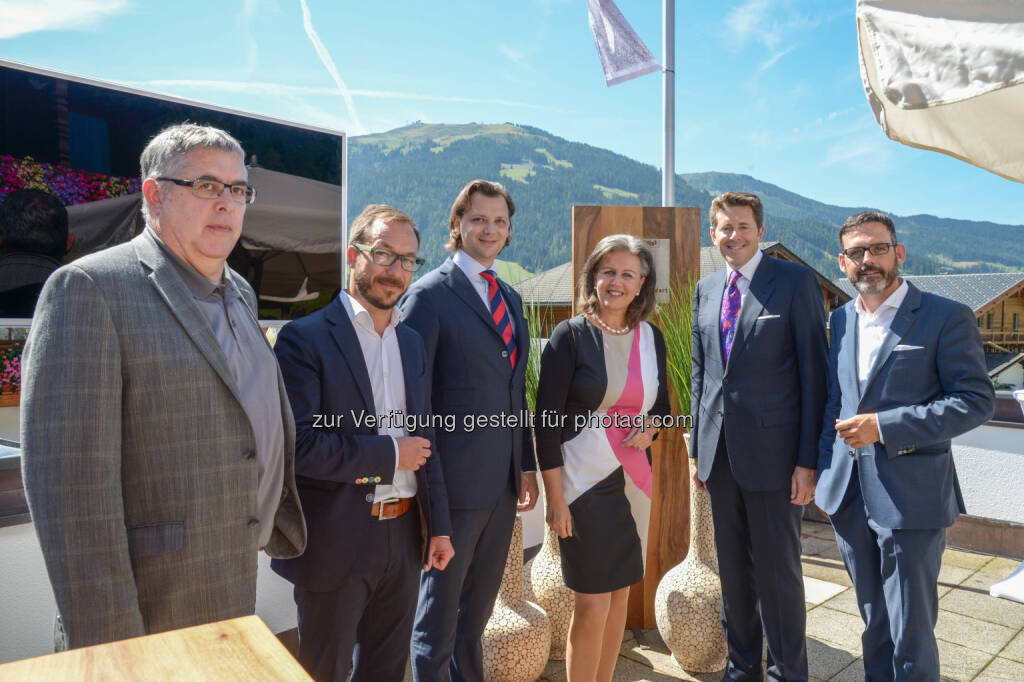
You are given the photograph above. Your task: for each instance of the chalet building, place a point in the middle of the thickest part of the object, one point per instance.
(552, 291)
(1006, 370)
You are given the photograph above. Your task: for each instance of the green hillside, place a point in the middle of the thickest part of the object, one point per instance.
(421, 167)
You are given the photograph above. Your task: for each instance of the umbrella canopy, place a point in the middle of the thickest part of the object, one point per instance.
(290, 237)
(948, 75)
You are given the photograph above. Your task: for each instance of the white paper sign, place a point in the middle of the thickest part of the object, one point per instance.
(660, 250)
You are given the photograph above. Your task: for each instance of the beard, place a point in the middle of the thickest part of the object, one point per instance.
(364, 285)
(880, 285)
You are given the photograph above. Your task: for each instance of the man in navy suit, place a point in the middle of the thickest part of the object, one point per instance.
(906, 375)
(477, 347)
(373, 494)
(759, 362)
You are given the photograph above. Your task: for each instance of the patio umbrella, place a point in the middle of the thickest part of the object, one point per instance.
(948, 75)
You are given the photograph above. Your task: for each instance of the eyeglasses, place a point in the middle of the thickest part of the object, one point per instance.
(208, 188)
(856, 253)
(385, 258)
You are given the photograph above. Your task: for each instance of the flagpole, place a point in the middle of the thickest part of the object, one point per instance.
(668, 96)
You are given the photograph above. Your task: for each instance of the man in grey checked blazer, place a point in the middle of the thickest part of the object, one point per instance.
(157, 440)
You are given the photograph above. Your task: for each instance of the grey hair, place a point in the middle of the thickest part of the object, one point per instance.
(642, 307)
(166, 153)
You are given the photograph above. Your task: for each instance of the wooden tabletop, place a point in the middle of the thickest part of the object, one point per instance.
(237, 649)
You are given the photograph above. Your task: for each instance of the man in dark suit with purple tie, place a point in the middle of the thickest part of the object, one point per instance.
(759, 363)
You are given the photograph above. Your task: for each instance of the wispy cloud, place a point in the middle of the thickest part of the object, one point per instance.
(863, 151)
(28, 16)
(252, 48)
(750, 20)
(772, 22)
(279, 89)
(770, 62)
(849, 151)
(516, 55)
(832, 115)
(325, 57)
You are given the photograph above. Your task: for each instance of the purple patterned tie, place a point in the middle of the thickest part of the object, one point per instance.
(730, 312)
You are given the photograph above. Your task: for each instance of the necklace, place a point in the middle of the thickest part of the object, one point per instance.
(613, 330)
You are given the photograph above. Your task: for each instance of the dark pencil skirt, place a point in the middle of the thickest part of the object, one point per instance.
(603, 554)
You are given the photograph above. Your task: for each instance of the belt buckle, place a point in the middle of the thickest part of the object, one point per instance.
(382, 505)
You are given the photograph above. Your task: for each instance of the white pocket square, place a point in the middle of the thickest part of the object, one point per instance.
(903, 347)
(768, 317)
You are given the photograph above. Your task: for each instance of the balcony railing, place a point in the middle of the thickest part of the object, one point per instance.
(1003, 338)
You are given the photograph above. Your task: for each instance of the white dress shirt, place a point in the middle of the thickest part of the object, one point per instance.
(872, 328)
(871, 331)
(384, 365)
(743, 283)
(472, 269)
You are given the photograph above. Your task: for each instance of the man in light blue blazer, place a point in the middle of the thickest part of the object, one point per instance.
(906, 375)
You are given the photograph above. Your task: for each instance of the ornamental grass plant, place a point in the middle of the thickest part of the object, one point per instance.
(675, 320)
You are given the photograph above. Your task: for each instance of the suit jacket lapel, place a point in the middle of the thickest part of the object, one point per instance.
(345, 336)
(413, 392)
(711, 316)
(761, 289)
(461, 286)
(848, 354)
(900, 324)
(408, 347)
(179, 299)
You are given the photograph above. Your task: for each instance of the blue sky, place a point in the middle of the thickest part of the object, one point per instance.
(770, 88)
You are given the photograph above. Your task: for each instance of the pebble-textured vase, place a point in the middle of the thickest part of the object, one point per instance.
(548, 590)
(687, 605)
(517, 638)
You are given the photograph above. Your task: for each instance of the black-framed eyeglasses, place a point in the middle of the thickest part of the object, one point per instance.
(385, 258)
(208, 188)
(856, 253)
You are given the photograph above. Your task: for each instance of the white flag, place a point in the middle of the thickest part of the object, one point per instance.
(623, 55)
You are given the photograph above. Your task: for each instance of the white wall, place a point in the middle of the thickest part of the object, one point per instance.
(9, 428)
(1013, 375)
(990, 465)
(27, 606)
(26, 626)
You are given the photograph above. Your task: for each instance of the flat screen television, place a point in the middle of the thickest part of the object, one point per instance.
(80, 140)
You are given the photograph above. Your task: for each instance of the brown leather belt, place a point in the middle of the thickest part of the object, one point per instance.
(390, 509)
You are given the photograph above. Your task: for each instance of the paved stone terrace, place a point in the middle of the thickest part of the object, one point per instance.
(980, 637)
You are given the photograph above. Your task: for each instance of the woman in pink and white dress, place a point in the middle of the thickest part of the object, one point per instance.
(602, 378)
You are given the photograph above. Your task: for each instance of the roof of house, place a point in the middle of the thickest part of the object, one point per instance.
(997, 363)
(975, 290)
(711, 259)
(551, 287)
(555, 286)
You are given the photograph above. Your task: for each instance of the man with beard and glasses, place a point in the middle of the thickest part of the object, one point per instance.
(906, 375)
(374, 498)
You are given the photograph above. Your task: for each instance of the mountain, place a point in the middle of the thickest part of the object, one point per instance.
(420, 168)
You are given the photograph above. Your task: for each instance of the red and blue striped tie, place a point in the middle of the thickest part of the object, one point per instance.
(500, 314)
